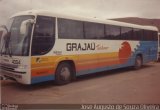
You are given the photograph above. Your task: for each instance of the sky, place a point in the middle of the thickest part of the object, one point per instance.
(105, 9)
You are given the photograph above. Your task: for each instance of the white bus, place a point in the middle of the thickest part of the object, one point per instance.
(41, 46)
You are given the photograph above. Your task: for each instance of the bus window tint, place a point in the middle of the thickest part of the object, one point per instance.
(158, 38)
(44, 35)
(137, 34)
(112, 32)
(93, 30)
(126, 33)
(70, 29)
(149, 36)
(154, 36)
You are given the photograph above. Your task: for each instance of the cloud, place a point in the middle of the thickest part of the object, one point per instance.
(90, 8)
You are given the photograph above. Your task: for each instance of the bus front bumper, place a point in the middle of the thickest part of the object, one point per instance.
(14, 76)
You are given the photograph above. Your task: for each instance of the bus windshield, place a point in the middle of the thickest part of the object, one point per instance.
(17, 44)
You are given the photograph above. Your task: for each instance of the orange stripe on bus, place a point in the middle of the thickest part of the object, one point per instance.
(97, 65)
(42, 72)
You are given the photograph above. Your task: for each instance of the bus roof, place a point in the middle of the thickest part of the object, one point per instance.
(80, 18)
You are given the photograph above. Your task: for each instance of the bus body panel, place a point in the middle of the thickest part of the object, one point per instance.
(90, 56)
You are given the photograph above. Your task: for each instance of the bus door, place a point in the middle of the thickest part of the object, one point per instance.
(42, 42)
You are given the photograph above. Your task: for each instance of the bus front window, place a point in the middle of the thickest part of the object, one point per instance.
(17, 44)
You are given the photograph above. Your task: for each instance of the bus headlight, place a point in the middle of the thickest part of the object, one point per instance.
(22, 66)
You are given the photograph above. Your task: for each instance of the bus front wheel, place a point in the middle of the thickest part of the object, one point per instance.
(63, 73)
(138, 62)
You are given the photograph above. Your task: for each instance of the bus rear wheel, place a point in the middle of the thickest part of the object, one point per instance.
(63, 73)
(138, 62)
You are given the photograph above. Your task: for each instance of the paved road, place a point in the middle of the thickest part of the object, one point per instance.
(116, 86)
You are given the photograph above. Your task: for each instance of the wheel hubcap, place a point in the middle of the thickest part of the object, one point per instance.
(65, 73)
(138, 62)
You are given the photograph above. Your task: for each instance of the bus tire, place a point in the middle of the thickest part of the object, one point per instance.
(138, 62)
(63, 73)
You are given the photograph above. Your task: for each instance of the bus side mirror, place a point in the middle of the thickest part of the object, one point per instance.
(3, 30)
(24, 26)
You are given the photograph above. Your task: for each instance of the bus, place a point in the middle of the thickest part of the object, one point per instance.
(42, 46)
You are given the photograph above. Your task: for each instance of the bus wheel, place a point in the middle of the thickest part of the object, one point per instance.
(138, 62)
(63, 73)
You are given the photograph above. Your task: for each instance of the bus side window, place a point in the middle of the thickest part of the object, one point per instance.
(112, 32)
(147, 35)
(138, 34)
(155, 35)
(44, 35)
(126, 33)
(70, 29)
(93, 30)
